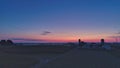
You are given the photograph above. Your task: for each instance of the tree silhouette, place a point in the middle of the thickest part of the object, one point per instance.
(3, 42)
(9, 42)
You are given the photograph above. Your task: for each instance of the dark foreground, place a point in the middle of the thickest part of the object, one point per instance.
(28, 56)
(65, 57)
(87, 59)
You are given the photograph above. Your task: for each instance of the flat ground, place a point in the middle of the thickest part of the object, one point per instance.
(84, 58)
(28, 56)
(67, 57)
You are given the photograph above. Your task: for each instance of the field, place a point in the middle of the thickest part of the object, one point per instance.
(58, 57)
(84, 58)
(28, 56)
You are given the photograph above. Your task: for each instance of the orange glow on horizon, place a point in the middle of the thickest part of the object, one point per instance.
(68, 37)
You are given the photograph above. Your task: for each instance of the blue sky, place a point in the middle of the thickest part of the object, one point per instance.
(69, 19)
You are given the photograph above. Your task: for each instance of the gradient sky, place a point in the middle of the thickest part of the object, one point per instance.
(59, 20)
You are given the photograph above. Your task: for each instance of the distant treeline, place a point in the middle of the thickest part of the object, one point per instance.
(6, 42)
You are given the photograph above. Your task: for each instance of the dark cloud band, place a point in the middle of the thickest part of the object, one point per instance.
(45, 33)
(25, 39)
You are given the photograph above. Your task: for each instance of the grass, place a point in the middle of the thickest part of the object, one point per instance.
(27, 56)
(115, 53)
(85, 58)
(15, 61)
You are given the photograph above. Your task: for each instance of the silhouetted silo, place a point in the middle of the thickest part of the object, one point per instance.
(102, 42)
(79, 42)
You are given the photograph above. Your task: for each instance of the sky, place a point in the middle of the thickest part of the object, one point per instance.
(60, 20)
